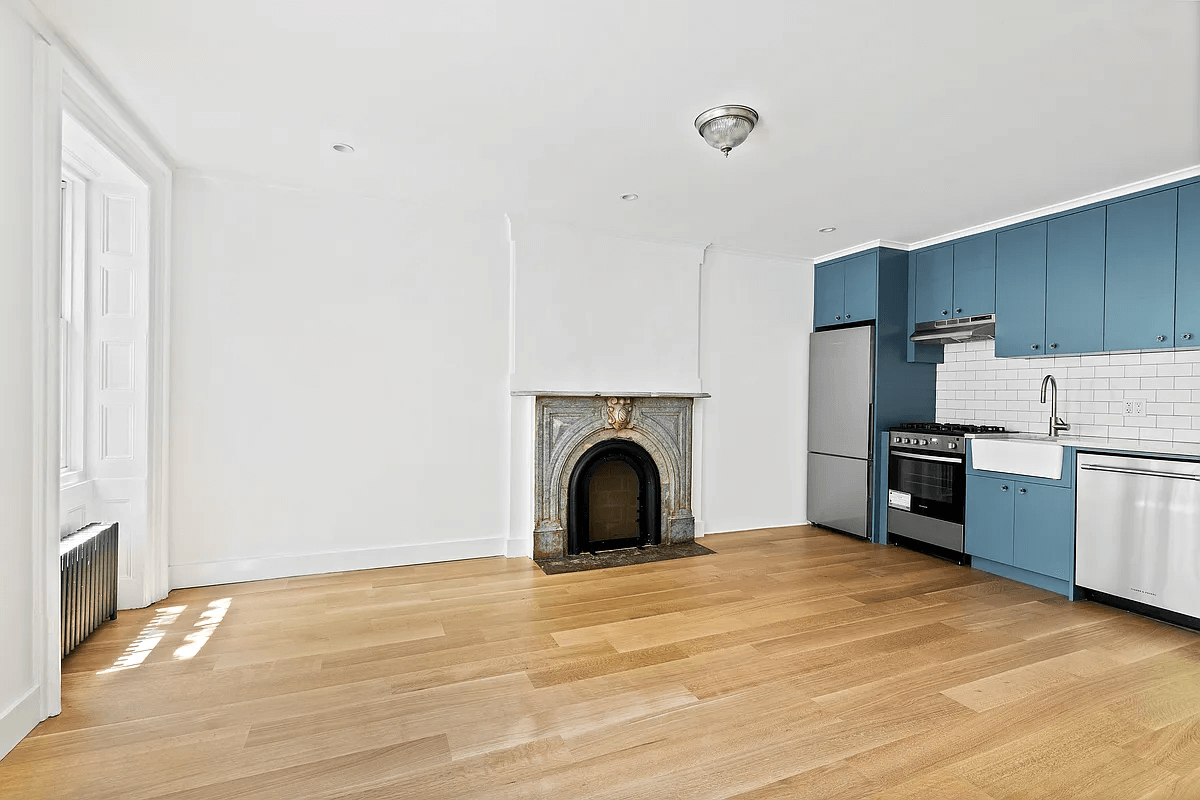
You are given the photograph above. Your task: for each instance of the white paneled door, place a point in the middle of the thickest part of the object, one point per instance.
(118, 320)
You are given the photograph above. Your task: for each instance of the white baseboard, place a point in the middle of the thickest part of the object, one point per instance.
(519, 548)
(759, 528)
(212, 573)
(19, 719)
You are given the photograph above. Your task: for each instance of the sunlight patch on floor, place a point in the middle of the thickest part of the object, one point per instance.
(141, 647)
(208, 623)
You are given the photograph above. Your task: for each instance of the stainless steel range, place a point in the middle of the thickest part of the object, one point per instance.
(927, 482)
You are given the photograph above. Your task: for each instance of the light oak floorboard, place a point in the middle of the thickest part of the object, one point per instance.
(794, 663)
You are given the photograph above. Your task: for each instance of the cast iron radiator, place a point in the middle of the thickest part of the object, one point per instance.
(89, 581)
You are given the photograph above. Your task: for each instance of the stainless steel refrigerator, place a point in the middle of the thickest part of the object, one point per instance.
(841, 365)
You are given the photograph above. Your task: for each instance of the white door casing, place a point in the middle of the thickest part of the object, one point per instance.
(118, 328)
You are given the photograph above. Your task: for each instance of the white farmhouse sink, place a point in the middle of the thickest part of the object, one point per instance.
(1036, 459)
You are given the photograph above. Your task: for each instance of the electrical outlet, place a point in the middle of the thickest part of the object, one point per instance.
(1135, 408)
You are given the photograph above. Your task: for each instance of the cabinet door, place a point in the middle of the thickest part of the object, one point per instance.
(1187, 269)
(1021, 291)
(975, 276)
(861, 280)
(829, 293)
(1044, 529)
(989, 518)
(1139, 274)
(935, 284)
(1075, 283)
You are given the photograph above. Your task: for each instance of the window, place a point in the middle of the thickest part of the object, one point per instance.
(71, 327)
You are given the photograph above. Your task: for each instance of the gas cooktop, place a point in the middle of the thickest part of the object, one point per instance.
(948, 428)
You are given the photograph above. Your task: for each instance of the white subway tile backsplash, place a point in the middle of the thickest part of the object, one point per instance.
(975, 386)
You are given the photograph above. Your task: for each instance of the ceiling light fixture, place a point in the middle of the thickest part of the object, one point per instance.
(725, 127)
(826, 230)
(342, 147)
(629, 196)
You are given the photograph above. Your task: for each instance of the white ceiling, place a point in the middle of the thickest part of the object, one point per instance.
(892, 120)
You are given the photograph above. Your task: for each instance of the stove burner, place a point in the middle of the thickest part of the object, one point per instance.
(952, 428)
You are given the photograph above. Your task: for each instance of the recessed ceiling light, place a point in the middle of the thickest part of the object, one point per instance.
(826, 230)
(629, 196)
(342, 147)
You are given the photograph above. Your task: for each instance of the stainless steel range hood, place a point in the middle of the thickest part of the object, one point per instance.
(960, 329)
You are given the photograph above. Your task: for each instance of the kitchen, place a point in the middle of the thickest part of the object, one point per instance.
(1040, 426)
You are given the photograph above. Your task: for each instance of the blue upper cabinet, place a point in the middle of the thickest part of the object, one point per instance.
(1187, 269)
(975, 276)
(862, 278)
(935, 284)
(1139, 276)
(1021, 291)
(1075, 283)
(829, 295)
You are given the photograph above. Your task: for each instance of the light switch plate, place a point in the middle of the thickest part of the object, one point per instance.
(1135, 408)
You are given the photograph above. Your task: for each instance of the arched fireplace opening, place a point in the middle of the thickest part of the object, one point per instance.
(614, 499)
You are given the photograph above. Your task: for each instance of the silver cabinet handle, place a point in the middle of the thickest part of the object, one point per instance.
(1162, 338)
(958, 311)
(1033, 347)
(847, 316)
(945, 313)
(1054, 345)
(1022, 491)
(1149, 473)
(839, 316)
(1004, 488)
(1187, 336)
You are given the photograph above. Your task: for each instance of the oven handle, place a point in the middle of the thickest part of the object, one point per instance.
(923, 457)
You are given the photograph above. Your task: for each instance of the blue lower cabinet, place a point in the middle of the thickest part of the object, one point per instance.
(1030, 526)
(1044, 530)
(989, 520)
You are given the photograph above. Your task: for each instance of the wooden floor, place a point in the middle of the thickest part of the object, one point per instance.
(793, 664)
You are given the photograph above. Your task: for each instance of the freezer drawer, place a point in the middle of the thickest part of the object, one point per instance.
(838, 495)
(1137, 530)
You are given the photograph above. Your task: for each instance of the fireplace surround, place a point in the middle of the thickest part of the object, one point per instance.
(567, 426)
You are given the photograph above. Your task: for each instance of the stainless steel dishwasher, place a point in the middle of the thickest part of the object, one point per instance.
(1137, 530)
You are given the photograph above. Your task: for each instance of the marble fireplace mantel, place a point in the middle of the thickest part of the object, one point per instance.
(569, 424)
(554, 393)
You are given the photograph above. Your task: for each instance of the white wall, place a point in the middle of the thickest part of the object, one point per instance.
(975, 386)
(757, 315)
(600, 313)
(18, 695)
(338, 380)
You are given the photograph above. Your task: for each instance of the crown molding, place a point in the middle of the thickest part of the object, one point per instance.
(860, 248)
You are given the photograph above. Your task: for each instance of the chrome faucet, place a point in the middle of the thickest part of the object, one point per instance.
(1056, 424)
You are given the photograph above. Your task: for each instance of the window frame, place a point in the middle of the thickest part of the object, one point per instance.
(72, 327)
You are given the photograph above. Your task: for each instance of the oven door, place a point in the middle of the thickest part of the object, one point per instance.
(929, 484)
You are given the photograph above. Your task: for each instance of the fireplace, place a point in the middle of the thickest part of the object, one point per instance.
(611, 471)
(613, 498)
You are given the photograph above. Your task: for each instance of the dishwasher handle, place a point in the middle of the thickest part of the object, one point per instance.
(1148, 473)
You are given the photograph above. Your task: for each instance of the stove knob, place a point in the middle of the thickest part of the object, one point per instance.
(908, 441)
(924, 441)
(952, 445)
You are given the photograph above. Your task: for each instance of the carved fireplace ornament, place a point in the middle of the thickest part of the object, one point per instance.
(620, 412)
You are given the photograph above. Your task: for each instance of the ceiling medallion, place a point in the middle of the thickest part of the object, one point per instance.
(725, 127)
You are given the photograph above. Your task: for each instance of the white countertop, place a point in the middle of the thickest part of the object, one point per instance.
(1185, 449)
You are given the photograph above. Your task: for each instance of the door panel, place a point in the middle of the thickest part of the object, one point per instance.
(1139, 276)
(1075, 283)
(1187, 269)
(935, 284)
(829, 294)
(1044, 529)
(989, 525)
(861, 278)
(838, 493)
(975, 276)
(1021, 291)
(839, 392)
